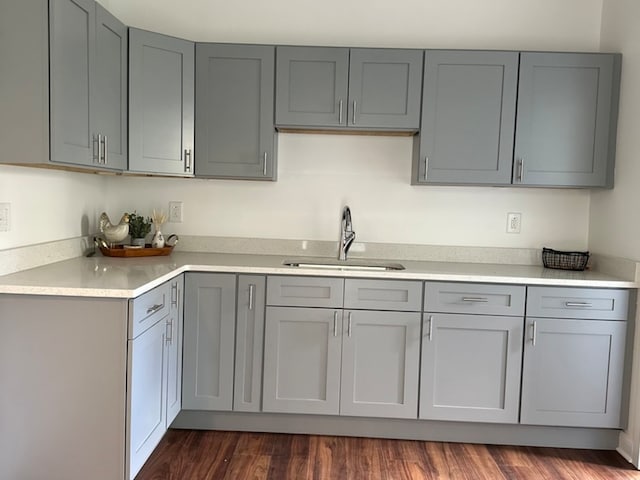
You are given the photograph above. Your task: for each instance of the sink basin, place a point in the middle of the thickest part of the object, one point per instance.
(332, 264)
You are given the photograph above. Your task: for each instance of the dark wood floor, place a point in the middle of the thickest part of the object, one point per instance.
(205, 455)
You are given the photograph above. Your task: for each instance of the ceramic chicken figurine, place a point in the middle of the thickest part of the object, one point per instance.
(114, 233)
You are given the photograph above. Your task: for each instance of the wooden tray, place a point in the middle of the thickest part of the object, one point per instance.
(147, 251)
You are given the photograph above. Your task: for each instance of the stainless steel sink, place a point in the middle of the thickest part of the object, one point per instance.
(332, 264)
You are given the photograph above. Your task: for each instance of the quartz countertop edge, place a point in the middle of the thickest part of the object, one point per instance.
(130, 277)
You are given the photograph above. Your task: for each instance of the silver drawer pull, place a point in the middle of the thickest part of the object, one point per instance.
(335, 323)
(475, 299)
(578, 304)
(155, 308)
(534, 333)
(430, 327)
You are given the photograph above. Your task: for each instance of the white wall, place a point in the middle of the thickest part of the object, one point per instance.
(617, 210)
(49, 205)
(319, 173)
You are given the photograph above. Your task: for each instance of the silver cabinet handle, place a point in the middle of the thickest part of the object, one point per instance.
(340, 112)
(534, 333)
(174, 294)
(349, 325)
(475, 299)
(100, 148)
(520, 169)
(426, 168)
(264, 164)
(155, 308)
(105, 151)
(187, 160)
(578, 304)
(353, 118)
(252, 288)
(430, 331)
(169, 326)
(335, 323)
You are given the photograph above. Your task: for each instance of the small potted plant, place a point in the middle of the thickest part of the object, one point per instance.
(139, 228)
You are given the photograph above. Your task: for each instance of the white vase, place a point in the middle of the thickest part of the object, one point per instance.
(158, 240)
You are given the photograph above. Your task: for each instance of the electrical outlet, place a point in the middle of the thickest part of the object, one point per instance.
(175, 212)
(5, 214)
(514, 222)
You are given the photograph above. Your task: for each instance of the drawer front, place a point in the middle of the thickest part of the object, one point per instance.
(383, 295)
(148, 308)
(305, 291)
(476, 298)
(588, 303)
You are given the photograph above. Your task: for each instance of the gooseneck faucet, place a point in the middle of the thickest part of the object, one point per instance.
(347, 235)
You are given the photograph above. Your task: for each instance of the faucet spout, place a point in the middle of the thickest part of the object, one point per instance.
(347, 235)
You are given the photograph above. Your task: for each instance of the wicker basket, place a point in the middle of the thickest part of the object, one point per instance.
(564, 260)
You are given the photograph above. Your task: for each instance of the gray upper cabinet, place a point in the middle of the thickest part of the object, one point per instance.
(235, 135)
(110, 93)
(468, 118)
(209, 339)
(566, 126)
(161, 103)
(72, 50)
(339, 87)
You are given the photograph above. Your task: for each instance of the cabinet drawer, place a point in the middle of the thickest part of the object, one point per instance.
(383, 295)
(475, 298)
(305, 291)
(148, 308)
(589, 303)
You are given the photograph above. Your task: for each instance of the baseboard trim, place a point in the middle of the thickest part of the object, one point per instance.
(459, 432)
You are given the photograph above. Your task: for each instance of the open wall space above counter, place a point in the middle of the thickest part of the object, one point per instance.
(563, 134)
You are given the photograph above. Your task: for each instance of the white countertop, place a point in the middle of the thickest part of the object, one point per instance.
(129, 277)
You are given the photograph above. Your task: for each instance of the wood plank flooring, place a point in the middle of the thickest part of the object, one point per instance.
(207, 455)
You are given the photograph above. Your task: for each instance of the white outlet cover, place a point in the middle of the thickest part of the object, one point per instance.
(514, 222)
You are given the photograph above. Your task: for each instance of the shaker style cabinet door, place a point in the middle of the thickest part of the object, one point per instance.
(209, 339)
(235, 136)
(161, 103)
(567, 111)
(72, 56)
(573, 372)
(311, 86)
(174, 326)
(110, 91)
(384, 88)
(380, 361)
(468, 118)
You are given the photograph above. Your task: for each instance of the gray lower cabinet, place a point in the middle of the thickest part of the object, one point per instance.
(321, 359)
(573, 367)
(341, 87)
(174, 333)
(209, 338)
(567, 116)
(64, 92)
(302, 360)
(468, 118)
(235, 135)
(161, 104)
(471, 368)
(247, 386)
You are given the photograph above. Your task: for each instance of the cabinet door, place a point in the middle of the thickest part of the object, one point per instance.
(302, 360)
(249, 340)
(468, 117)
(72, 37)
(380, 361)
(471, 368)
(572, 372)
(161, 96)
(311, 86)
(110, 92)
(147, 396)
(385, 88)
(174, 350)
(209, 338)
(235, 136)
(567, 106)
